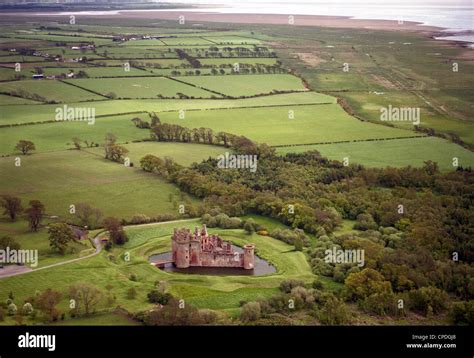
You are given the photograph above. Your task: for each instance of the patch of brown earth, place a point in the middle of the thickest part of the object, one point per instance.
(384, 82)
(309, 58)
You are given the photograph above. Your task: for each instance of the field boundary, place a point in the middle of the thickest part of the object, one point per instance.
(84, 89)
(347, 141)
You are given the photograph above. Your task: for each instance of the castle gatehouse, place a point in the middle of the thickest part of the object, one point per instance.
(203, 250)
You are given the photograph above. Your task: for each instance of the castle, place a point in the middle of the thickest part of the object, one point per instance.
(204, 250)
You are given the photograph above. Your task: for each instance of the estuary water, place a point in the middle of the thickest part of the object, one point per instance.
(453, 15)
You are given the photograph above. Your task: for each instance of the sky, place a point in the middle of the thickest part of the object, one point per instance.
(357, 2)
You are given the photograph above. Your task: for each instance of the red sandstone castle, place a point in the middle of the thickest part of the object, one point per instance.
(201, 249)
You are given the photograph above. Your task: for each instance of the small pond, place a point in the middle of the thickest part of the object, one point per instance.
(262, 267)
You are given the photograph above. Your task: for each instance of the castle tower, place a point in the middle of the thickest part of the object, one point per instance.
(204, 230)
(195, 251)
(182, 242)
(249, 257)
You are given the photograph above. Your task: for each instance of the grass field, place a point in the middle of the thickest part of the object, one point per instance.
(311, 124)
(182, 153)
(58, 135)
(139, 87)
(8, 100)
(51, 90)
(384, 62)
(369, 106)
(100, 71)
(232, 40)
(83, 177)
(232, 61)
(14, 114)
(160, 62)
(247, 85)
(394, 153)
(28, 240)
(7, 74)
(215, 292)
(169, 41)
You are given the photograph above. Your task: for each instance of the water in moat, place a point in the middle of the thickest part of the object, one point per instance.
(262, 267)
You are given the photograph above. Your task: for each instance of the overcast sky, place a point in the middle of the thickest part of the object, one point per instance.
(411, 2)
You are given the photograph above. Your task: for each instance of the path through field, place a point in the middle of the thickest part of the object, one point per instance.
(14, 270)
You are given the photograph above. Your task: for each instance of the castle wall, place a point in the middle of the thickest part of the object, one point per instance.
(209, 259)
(187, 250)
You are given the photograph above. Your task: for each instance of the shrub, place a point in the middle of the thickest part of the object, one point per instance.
(12, 309)
(156, 296)
(381, 304)
(140, 219)
(367, 282)
(462, 313)
(27, 309)
(317, 284)
(320, 267)
(428, 300)
(287, 285)
(249, 226)
(250, 312)
(333, 312)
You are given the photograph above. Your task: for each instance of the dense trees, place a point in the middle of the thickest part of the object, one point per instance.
(414, 224)
(312, 305)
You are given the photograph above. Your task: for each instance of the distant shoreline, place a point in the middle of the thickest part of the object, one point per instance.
(433, 32)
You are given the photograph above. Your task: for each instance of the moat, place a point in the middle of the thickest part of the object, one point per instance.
(262, 267)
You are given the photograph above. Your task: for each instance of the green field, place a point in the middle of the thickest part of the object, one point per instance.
(147, 62)
(182, 153)
(7, 74)
(232, 61)
(140, 87)
(84, 177)
(51, 90)
(394, 153)
(185, 41)
(10, 100)
(28, 240)
(232, 40)
(99, 71)
(58, 135)
(215, 292)
(247, 85)
(311, 124)
(15, 114)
